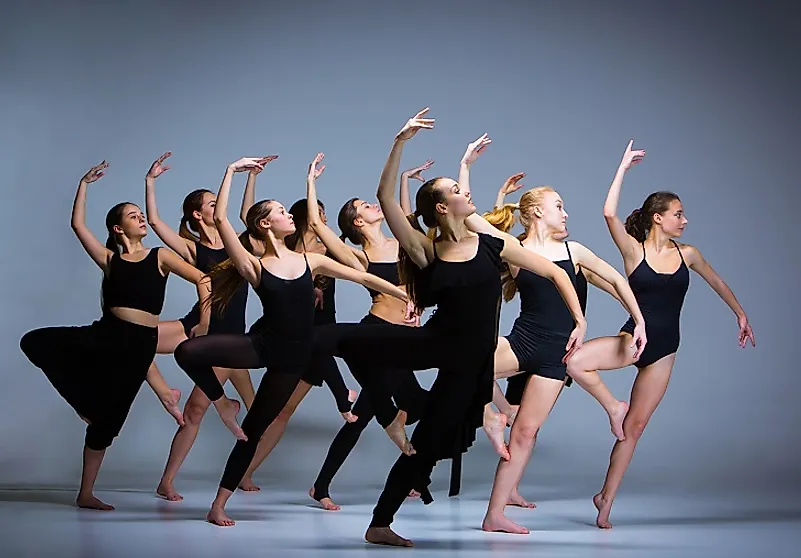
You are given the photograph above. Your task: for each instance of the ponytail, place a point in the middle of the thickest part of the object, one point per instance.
(503, 219)
(227, 280)
(409, 272)
(184, 232)
(636, 225)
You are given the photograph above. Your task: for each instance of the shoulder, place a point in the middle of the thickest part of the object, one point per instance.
(491, 241)
(689, 252)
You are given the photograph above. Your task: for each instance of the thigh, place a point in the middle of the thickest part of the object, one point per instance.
(539, 397)
(506, 363)
(603, 353)
(220, 351)
(171, 334)
(649, 388)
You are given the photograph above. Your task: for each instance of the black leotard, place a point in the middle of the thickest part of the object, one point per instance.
(541, 331)
(135, 284)
(660, 297)
(233, 319)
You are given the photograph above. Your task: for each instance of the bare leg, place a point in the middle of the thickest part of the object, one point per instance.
(538, 400)
(273, 435)
(603, 353)
(92, 460)
(196, 407)
(648, 390)
(495, 425)
(217, 515)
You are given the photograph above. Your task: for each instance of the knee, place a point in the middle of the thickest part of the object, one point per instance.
(286, 413)
(28, 345)
(524, 433)
(98, 438)
(634, 427)
(194, 411)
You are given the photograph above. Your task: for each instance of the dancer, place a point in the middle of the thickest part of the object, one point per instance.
(98, 369)
(280, 340)
(360, 223)
(658, 270)
(459, 272)
(198, 243)
(536, 342)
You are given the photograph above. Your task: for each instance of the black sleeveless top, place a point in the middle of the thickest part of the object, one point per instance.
(660, 295)
(287, 323)
(138, 285)
(388, 271)
(541, 305)
(205, 260)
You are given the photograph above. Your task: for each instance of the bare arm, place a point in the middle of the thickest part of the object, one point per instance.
(172, 263)
(589, 261)
(341, 251)
(249, 196)
(697, 263)
(182, 246)
(405, 196)
(418, 246)
(602, 284)
(510, 185)
(626, 243)
(323, 265)
(96, 250)
(246, 263)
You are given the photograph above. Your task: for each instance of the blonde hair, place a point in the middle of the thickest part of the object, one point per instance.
(503, 219)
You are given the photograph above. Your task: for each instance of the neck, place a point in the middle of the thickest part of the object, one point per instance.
(274, 247)
(372, 235)
(131, 246)
(658, 239)
(453, 229)
(209, 235)
(539, 235)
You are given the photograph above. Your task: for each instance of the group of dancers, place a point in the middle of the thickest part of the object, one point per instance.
(463, 265)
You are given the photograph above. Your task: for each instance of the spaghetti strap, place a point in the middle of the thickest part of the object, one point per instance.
(569, 255)
(679, 249)
(366, 256)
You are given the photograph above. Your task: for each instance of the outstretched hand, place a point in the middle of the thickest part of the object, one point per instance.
(631, 156)
(475, 149)
(415, 172)
(414, 125)
(746, 333)
(512, 183)
(249, 163)
(157, 169)
(314, 170)
(269, 158)
(95, 173)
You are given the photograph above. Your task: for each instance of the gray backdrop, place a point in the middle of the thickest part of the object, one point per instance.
(710, 92)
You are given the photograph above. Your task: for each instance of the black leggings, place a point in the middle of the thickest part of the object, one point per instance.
(324, 369)
(98, 369)
(197, 357)
(409, 396)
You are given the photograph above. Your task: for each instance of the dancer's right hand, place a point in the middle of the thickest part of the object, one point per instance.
(631, 156)
(95, 173)
(248, 163)
(415, 124)
(512, 183)
(156, 169)
(475, 149)
(314, 170)
(415, 172)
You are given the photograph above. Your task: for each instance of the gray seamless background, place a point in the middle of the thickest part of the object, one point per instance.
(710, 90)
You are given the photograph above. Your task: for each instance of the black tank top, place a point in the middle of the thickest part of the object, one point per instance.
(388, 271)
(581, 291)
(660, 295)
(328, 313)
(287, 323)
(467, 296)
(205, 260)
(138, 285)
(541, 305)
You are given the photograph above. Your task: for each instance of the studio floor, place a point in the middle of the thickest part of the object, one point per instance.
(279, 522)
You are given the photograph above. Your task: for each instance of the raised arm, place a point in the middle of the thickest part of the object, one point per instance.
(516, 254)
(96, 250)
(170, 262)
(588, 260)
(405, 196)
(476, 222)
(182, 246)
(323, 265)
(246, 263)
(418, 246)
(626, 243)
(341, 251)
(249, 197)
(697, 263)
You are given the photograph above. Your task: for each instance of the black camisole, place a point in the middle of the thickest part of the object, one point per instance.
(388, 271)
(138, 285)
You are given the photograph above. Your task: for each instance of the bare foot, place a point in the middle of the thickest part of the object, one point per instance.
(170, 404)
(413, 494)
(228, 409)
(397, 433)
(217, 516)
(500, 524)
(248, 485)
(515, 499)
(91, 503)
(349, 416)
(494, 426)
(385, 535)
(616, 419)
(327, 503)
(167, 491)
(604, 509)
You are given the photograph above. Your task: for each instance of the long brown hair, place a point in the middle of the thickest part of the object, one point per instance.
(639, 223)
(503, 219)
(300, 215)
(426, 200)
(225, 276)
(192, 202)
(113, 218)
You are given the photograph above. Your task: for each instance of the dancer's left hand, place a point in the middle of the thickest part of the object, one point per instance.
(199, 330)
(318, 297)
(638, 340)
(410, 315)
(746, 332)
(475, 149)
(575, 341)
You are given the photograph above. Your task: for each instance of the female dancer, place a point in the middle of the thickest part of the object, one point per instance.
(280, 340)
(459, 272)
(658, 270)
(361, 222)
(536, 342)
(77, 360)
(198, 243)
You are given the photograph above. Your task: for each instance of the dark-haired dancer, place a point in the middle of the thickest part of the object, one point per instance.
(98, 369)
(460, 273)
(280, 340)
(659, 274)
(198, 243)
(360, 222)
